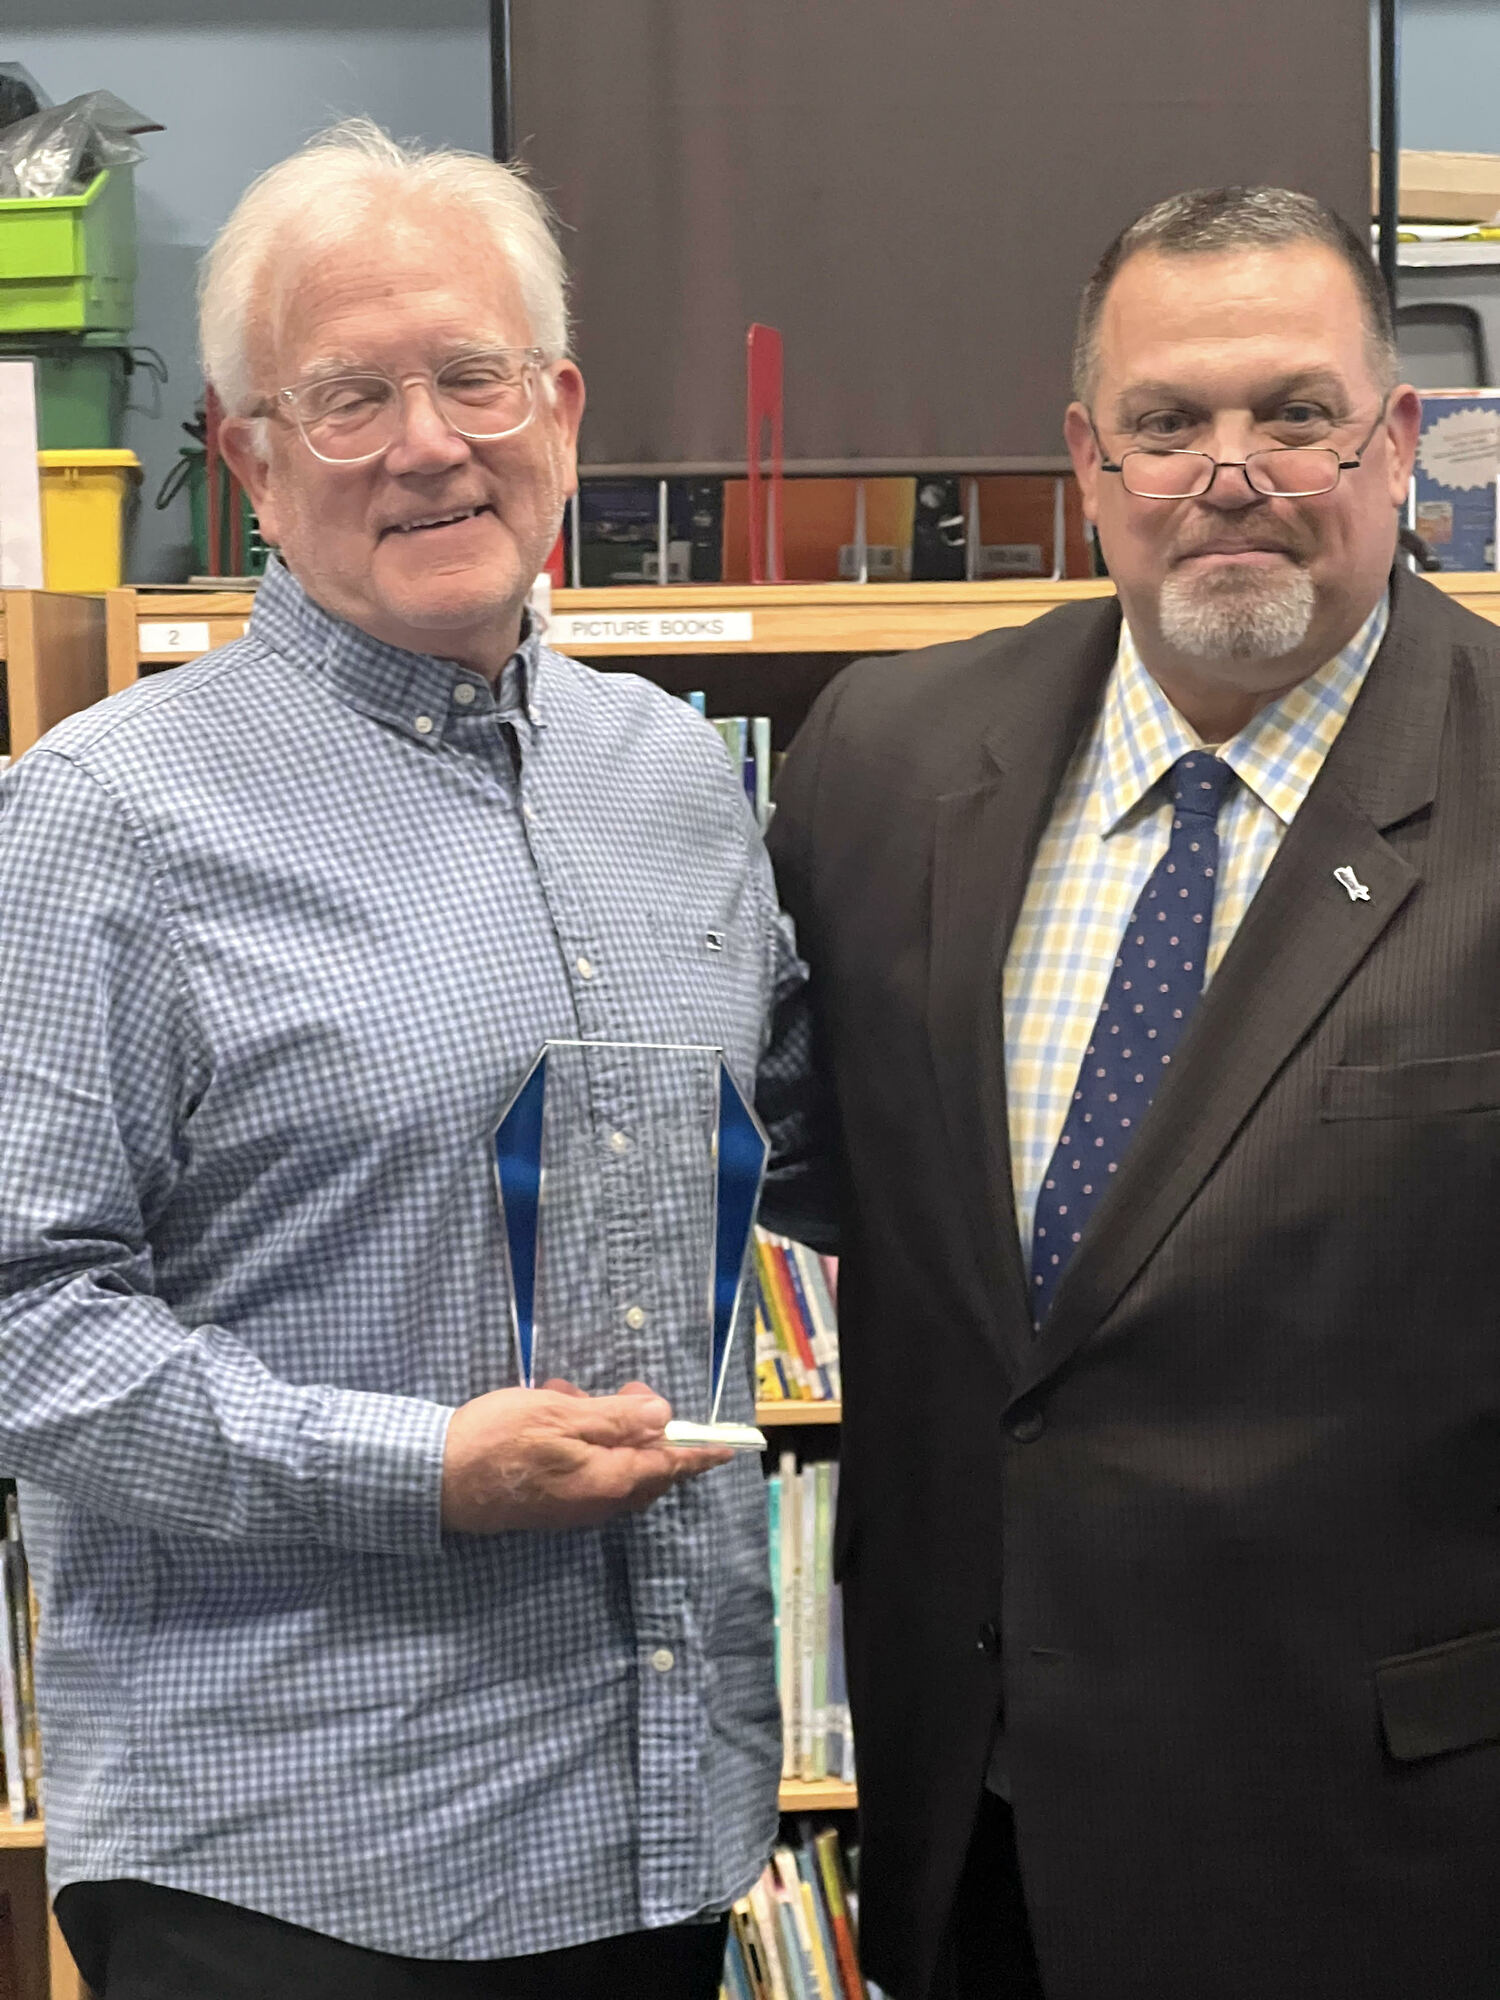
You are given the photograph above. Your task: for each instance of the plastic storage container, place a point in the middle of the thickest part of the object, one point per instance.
(81, 389)
(67, 265)
(84, 499)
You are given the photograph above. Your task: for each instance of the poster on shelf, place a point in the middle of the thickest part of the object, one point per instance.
(20, 481)
(1458, 460)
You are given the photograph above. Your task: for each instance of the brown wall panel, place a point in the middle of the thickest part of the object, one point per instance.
(912, 190)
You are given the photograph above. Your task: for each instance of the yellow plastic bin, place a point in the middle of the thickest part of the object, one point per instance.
(84, 500)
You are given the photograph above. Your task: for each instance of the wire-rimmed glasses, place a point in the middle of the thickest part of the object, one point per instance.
(351, 419)
(1278, 472)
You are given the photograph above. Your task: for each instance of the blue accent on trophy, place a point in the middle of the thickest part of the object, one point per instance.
(741, 1150)
(518, 1168)
(701, 1151)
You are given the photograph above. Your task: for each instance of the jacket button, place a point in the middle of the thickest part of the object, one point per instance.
(1027, 1429)
(989, 1638)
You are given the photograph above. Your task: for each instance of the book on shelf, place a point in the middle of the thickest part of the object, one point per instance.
(19, 1740)
(934, 527)
(817, 1741)
(747, 742)
(794, 1937)
(796, 1323)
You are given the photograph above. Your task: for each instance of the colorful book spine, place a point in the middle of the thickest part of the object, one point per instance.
(10, 1701)
(775, 1543)
(19, 1582)
(786, 1315)
(796, 1322)
(790, 1643)
(840, 1918)
(745, 1932)
(807, 1561)
(760, 738)
(768, 1929)
(801, 1317)
(790, 1887)
(822, 1317)
(775, 1303)
(822, 1582)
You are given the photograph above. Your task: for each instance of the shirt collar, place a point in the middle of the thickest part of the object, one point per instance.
(412, 692)
(1277, 755)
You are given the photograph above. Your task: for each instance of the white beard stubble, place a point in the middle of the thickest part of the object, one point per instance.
(1237, 617)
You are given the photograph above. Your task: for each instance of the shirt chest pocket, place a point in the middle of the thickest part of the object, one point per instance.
(1436, 1087)
(715, 966)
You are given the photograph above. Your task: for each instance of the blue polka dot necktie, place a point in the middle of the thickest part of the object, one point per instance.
(1156, 984)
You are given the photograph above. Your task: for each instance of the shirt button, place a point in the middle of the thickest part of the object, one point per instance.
(423, 725)
(663, 1659)
(618, 1143)
(635, 1319)
(528, 811)
(463, 694)
(1027, 1429)
(585, 968)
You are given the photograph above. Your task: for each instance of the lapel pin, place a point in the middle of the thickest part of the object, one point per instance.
(1347, 879)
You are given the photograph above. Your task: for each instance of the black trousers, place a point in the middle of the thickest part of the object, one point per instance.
(987, 1953)
(136, 1941)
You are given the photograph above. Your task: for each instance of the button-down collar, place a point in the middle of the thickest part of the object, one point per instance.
(417, 693)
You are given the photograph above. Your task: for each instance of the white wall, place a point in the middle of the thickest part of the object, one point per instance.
(237, 88)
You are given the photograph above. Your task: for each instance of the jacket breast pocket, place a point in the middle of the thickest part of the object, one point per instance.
(1442, 1698)
(1437, 1087)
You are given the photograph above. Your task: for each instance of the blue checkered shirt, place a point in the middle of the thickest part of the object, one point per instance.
(280, 932)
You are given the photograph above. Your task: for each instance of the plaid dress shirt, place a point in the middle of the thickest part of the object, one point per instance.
(1109, 828)
(282, 931)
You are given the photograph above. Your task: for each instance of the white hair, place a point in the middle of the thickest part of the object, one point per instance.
(323, 192)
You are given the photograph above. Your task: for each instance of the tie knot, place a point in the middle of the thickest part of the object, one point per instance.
(1199, 783)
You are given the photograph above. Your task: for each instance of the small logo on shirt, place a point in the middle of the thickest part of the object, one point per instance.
(714, 940)
(1347, 879)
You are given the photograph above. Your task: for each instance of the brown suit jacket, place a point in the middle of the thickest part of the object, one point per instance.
(1223, 1540)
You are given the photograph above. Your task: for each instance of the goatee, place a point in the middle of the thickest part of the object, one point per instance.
(1237, 616)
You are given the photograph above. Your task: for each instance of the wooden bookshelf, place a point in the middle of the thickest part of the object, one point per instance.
(817, 1795)
(785, 1416)
(150, 628)
(796, 617)
(53, 654)
(38, 1964)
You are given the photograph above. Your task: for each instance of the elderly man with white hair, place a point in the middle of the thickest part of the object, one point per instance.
(365, 1668)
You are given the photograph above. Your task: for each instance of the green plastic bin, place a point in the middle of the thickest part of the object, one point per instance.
(81, 389)
(67, 265)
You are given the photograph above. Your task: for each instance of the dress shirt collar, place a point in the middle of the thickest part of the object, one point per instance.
(1276, 755)
(417, 693)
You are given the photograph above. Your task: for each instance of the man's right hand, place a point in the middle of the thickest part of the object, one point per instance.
(556, 1458)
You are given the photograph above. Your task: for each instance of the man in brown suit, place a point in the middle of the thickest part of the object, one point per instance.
(1157, 959)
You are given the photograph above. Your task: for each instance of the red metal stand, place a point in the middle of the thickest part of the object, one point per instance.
(763, 407)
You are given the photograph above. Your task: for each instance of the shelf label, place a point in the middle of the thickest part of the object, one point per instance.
(582, 629)
(190, 637)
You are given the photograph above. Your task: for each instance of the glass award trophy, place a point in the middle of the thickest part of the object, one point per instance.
(664, 1203)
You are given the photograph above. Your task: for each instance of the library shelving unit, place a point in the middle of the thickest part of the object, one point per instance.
(52, 654)
(41, 1966)
(767, 643)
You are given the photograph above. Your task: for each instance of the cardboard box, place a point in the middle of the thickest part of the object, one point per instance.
(1443, 187)
(1458, 462)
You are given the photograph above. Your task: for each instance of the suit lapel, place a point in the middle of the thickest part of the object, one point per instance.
(986, 833)
(1300, 941)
